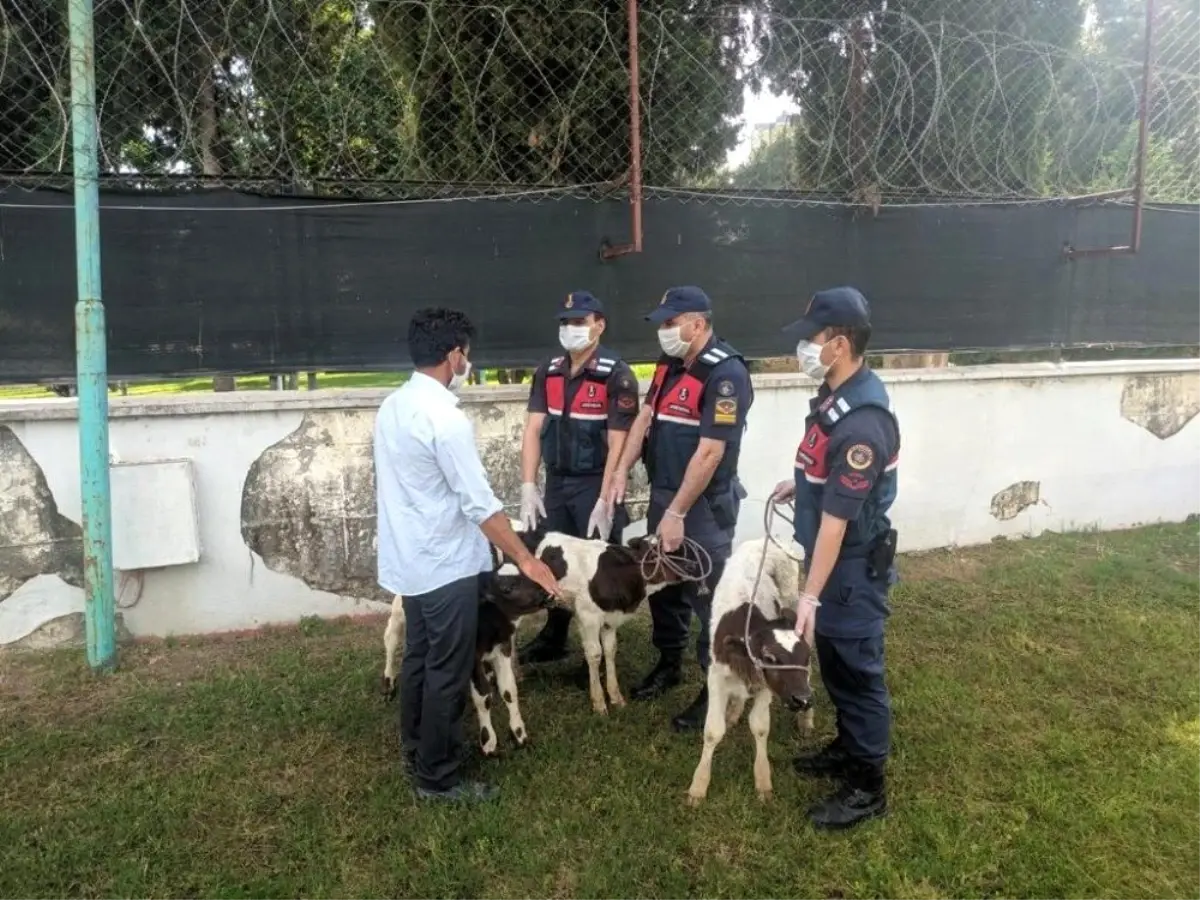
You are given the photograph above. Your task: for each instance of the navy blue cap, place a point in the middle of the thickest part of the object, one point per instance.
(839, 306)
(578, 304)
(677, 300)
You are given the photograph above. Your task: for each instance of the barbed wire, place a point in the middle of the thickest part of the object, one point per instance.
(765, 101)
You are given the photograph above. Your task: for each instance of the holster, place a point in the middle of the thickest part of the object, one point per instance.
(882, 555)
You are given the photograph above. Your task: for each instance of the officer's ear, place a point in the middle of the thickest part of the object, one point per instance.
(599, 321)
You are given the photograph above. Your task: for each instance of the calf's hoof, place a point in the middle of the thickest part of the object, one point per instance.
(694, 800)
(521, 736)
(765, 795)
(618, 701)
(488, 744)
(389, 687)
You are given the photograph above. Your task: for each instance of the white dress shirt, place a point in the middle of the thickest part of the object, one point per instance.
(431, 490)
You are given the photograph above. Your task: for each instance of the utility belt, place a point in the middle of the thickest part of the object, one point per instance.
(879, 554)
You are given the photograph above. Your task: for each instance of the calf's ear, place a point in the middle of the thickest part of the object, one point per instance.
(788, 618)
(735, 643)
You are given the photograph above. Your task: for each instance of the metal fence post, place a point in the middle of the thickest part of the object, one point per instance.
(91, 352)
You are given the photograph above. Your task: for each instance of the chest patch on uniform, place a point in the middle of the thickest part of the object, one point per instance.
(860, 457)
(725, 411)
(725, 387)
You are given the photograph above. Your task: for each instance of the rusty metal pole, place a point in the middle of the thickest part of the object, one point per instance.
(1139, 183)
(635, 144)
(91, 351)
(635, 128)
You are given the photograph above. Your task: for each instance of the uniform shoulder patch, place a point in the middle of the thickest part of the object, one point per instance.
(860, 456)
(725, 388)
(725, 411)
(626, 401)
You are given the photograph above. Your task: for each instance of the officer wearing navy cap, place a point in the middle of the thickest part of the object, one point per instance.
(844, 485)
(689, 435)
(581, 407)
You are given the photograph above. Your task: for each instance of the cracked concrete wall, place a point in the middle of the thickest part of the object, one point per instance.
(285, 483)
(1162, 404)
(308, 503)
(35, 538)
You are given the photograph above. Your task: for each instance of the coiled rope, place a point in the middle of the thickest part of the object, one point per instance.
(769, 513)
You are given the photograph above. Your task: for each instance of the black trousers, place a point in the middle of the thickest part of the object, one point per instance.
(434, 678)
(850, 650)
(671, 608)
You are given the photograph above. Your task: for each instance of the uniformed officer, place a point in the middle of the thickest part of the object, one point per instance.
(689, 435)
(581, 407)
(844, 484)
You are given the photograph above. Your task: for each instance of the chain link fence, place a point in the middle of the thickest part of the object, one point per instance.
(881, 102)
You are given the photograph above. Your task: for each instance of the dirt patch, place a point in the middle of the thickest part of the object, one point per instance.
(29, 680)
(941, 565)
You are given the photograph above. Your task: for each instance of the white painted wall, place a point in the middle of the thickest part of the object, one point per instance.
(967, 435)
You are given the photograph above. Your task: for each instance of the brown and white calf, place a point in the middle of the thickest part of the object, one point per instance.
(605, 584)
(735, 674)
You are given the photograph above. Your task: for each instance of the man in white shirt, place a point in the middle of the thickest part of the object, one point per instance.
(436, 513)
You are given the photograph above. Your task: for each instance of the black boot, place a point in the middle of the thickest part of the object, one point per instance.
(862, 797)
(692, 718)
(550, 643)
(829, 760)
(664, 676)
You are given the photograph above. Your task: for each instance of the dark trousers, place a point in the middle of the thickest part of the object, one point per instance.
(434, 677)
(850, 653)
(671, 608)
(569, 501)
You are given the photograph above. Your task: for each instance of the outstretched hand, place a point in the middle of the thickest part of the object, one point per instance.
(539, 573)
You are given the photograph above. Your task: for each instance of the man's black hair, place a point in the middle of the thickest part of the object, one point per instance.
(857, 335)
(434, 332)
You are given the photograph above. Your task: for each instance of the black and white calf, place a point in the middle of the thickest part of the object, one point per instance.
(735, 674)
(395, 630)
(508, 598)
(605, 584)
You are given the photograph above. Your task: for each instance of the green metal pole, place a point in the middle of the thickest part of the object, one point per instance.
(91, 352)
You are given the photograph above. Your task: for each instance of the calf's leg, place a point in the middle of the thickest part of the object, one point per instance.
(737, 704)
(714, 731)
(393, 640)
(760, 727)
(481, 698)
(608, 643)
(506, 681)
(589, 634)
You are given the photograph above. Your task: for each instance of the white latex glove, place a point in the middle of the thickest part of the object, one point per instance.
(784, 491)
(601, 521)
(531, 506)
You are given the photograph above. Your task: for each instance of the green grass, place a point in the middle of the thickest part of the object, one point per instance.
(1046, 740)
(326, 380)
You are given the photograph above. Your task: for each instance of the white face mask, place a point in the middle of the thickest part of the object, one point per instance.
(574, 337)
(809, 355)
(672, 344)
(457, 380)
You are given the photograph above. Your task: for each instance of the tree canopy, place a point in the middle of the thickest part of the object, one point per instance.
(903, 98)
